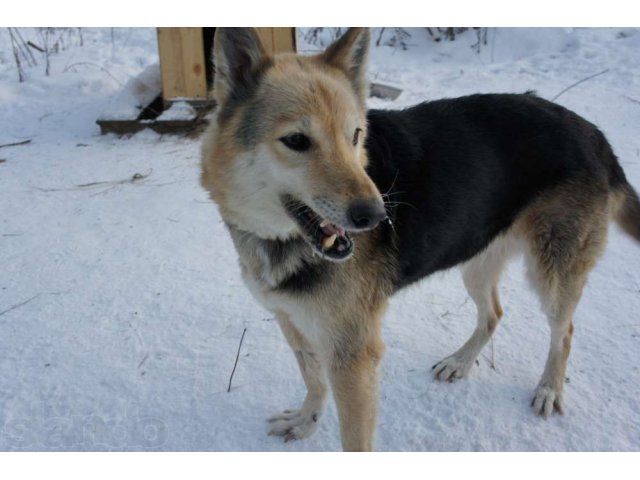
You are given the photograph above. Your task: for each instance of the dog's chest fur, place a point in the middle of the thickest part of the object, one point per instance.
(279, 266)
(285, 276)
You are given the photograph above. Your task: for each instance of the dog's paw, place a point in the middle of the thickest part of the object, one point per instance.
(547, 400)
(451, 368)
(294, 424)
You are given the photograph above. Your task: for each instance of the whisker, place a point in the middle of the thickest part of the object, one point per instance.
(390, 223)
(394, 182)
(396, 203)
(392, 193)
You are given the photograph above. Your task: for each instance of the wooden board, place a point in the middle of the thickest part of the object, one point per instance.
(152, 117)
(182, 63)
(278, 39)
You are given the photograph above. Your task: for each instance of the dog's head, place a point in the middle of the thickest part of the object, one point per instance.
(285, 153)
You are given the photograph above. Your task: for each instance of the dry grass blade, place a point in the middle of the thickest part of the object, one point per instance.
(18, 305)
(236, 363)
(24, 142)
(579, 82)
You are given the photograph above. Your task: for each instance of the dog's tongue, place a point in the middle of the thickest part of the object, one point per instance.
(330, 233)
(330, 229)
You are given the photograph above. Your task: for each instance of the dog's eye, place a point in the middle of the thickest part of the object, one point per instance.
(356, 136)
(297, 142)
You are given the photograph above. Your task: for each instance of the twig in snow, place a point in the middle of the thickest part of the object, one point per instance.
(493, 357)
(492, 360)
(380, 37)
(18, 305)
(24, 142)
(631, 99)
(134, 178)
(26, 53)
(91, 64)
(33, 45)
(579, 82)
(16, 56)
(236, 363)
(143, 360)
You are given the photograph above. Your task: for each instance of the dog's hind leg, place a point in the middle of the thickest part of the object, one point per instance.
(565, 239)
(298, 424)
(481, 275)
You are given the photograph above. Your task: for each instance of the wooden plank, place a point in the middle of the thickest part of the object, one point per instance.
(284, 39)
(278, 39)
(170, 62)
(195, 80)
(266, 35)
(182, 63)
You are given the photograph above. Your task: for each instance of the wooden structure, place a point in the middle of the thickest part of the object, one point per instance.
(185, 55)
(186, 76)
(182, 63)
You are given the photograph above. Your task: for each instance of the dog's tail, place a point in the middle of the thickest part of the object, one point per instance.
(627, 210)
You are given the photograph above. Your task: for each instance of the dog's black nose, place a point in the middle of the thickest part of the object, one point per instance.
(366, 214)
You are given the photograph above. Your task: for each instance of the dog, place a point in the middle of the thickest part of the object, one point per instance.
(333, 208)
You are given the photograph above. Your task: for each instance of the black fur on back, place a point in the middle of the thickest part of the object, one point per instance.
(456, 172)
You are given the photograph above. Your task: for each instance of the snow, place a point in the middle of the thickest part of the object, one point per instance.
(121, 303)
(179, 110)
(138, 92)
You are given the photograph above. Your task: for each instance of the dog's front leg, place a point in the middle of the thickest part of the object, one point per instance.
(355, 387)
(301, 423)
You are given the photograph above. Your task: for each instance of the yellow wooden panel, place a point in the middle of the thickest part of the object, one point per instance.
(195, 80)
(266, 35)
(182, 63)
(284, 39)
(277, 39)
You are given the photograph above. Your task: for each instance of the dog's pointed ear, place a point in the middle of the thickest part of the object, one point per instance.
(350, 53)
(238, 59)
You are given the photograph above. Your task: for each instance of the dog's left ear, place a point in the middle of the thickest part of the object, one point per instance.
(350, 53)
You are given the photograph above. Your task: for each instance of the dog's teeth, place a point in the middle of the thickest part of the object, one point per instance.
(328, 242)
(324, 223)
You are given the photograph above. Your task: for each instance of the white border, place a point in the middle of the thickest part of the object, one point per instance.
(325, 466)
(321, 12)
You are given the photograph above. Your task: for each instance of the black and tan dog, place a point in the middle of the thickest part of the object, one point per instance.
(332, 209)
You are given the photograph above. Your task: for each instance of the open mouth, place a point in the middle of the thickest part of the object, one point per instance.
(326, 238)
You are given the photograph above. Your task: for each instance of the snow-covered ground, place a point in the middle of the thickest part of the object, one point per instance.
(121, 304)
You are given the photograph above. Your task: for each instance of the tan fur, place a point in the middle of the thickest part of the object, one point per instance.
(335, 332)
(567, 232)
(355, 387)
(625, 209)
(296, 424)
(562, 234)
(316, 97)
(348, 346)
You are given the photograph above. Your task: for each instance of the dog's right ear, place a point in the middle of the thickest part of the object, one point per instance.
(238, 58)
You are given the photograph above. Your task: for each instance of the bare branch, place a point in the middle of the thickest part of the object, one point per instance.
(33, 45)
(91, 64)
(15, 144)
(579, 82)
(17, 305)
(236, 363)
